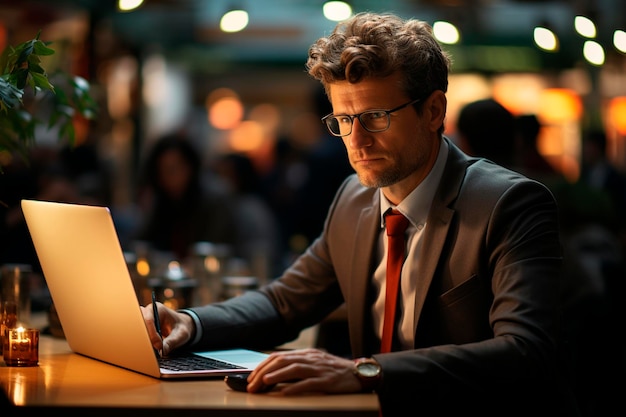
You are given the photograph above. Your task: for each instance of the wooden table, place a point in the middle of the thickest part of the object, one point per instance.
(74, 385)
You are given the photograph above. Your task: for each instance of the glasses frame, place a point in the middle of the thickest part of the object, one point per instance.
(358, 116)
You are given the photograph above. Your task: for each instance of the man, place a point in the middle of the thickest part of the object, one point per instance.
(477, 327)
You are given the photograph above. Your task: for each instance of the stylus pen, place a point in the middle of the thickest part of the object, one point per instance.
(157, 321)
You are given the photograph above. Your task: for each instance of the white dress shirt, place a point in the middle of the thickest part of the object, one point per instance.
(414, 207)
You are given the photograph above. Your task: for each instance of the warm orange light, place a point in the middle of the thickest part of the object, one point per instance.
(248, 136)
(143, 267)
(547, 142)
(226, 113)
(558, 105)
(267, 115)
(224, 109)
(519, 93)
(617, 114)
(570, 168)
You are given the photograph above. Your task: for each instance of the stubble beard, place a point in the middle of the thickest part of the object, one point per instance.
(387, 178)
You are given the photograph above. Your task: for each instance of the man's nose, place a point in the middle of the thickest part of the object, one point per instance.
(359, 137)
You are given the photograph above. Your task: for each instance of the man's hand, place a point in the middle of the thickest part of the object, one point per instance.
(307, 370)
(176, 328)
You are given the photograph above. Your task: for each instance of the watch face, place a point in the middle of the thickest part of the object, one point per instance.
(367, 369)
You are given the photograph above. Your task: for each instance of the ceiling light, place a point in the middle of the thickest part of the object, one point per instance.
(545, 39)
(585, 26)
(446, 32)
(128, 5)
(337, 10)
(593, 52)
(234, 21)
(619, 41)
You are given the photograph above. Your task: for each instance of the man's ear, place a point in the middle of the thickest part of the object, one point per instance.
(435, 107)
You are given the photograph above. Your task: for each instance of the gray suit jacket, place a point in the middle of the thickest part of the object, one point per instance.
(487, 301)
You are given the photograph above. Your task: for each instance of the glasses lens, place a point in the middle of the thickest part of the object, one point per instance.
(340, 125)
(375, 121)
(333, 125)
(372, 121)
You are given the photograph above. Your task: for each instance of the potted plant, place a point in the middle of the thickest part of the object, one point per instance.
(23, 80)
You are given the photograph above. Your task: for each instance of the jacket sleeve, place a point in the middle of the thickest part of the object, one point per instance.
(275, 314)
(248, 321)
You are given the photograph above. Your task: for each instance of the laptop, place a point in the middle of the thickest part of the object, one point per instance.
(84, 267)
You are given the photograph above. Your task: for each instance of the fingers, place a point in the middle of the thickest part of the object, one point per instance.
(176, 328)
(167, 340)
(148, 317)
(306, 370)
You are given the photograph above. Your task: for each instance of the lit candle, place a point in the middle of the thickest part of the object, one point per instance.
(21, 347)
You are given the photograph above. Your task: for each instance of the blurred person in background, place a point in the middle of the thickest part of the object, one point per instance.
(282, 187)
(177, 208)
(600, 174)
(530, 161)
(258, 236)
(487, 129)
(328, 167)
(302, 183)
(477, 329)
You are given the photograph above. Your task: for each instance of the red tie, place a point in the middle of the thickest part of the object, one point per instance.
(396, 224)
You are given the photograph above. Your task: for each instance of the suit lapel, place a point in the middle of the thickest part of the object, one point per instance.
(361, 271)
(438, 224)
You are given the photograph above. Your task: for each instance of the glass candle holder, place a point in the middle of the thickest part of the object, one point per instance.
(8, 319)
(21, 347)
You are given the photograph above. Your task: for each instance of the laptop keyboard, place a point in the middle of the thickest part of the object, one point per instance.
(194, 363)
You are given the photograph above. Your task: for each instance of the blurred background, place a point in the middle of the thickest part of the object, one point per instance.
(207, 120)
(235, 84)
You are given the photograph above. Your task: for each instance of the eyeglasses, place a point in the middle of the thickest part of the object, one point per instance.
(372, 120)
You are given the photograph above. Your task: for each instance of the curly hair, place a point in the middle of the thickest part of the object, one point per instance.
(378, 45)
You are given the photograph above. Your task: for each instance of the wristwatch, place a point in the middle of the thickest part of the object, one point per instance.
(369, 373)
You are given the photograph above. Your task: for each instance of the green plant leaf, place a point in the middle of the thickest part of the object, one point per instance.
(24, 51)
(41, 81)
(21, 68)
(41, 48)
(21, 77)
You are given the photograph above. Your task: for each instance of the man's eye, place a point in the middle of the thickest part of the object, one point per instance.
(374, 115)
(344, 119)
